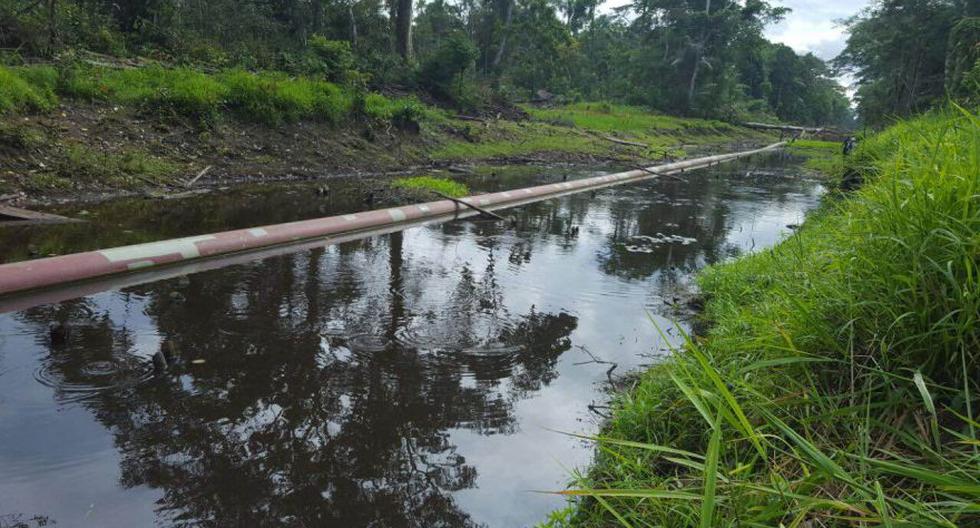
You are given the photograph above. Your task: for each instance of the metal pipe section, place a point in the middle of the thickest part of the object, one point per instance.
(41, 281)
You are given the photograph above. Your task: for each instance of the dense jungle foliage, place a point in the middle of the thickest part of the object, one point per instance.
(690, 57)
(698, 58)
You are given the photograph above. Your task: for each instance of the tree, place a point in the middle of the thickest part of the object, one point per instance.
(403, 29)
(897, 51)
(694, 41)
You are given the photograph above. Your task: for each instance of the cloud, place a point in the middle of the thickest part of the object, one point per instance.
(812, 25)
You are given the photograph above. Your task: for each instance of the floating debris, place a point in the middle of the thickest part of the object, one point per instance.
(648, 244)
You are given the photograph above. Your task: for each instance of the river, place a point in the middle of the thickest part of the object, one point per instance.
(423, 378)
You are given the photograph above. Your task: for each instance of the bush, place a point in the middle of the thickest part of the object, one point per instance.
(442, 74)
(334, 58)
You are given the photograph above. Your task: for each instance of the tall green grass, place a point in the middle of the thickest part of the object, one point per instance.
(268, 97)
(30, 89)
(838, 384)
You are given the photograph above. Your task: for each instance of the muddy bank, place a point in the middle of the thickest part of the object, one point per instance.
(84, 152)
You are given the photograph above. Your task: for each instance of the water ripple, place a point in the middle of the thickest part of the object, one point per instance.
(74, 383)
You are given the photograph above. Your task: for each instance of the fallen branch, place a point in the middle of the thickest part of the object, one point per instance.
(18, 215)
(662, 175)
(198, 177)
(624, 142)
(471, 206)
(600, 361)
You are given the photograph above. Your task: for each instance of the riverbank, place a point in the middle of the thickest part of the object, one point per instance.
(838, 382)
(73, 131)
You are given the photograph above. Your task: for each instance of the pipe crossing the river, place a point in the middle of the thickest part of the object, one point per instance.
(54, 279)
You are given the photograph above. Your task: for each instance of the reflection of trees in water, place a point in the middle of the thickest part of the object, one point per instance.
(289, 422)
(696, 210)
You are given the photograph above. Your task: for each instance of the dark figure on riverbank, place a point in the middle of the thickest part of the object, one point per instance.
(851, 179)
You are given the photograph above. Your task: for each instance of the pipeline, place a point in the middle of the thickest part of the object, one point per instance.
(54, 279)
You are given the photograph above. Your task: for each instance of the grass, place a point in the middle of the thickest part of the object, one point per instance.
(431, 183)
(581, 129)
(622, 119)
(509, 139)
(30, 89)
(267, 97)
(838, 384)
(821, 156)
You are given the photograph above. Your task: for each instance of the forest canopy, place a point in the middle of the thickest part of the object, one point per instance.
(688, 57)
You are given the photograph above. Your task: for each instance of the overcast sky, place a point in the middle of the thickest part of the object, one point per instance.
(812, 26)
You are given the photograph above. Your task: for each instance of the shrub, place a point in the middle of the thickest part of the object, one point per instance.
(443, 72)
(334, 58)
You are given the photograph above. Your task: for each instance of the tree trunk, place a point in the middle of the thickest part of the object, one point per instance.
(694, 79)
(353, 24)
(52, 23)
(317, 17)
(503, 40)
(403, 29)
(698, 53)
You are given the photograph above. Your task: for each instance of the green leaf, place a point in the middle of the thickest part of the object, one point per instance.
(711, 474)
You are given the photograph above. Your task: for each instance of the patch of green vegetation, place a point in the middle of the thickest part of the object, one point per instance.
(431, 183)
(47, 181)
(275, 98)
(27, 89)
(507, 139)
(838, 385)
(630, 120)
(82, 164)
(821, 156)
(19, 136)
(267, 97)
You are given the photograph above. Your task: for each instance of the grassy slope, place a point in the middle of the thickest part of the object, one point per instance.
(838, 385)
(142, 108)
(821, 156)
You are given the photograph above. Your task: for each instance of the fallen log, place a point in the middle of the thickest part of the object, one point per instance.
(469, 118)
(200, 175)
(624, 142)
(16, 215)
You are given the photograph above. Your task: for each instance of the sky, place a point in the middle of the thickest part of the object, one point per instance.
(812, 25)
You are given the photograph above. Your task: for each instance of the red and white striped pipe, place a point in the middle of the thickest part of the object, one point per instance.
(28, 276)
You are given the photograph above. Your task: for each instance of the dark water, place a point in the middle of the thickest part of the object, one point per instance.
(414, 379)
